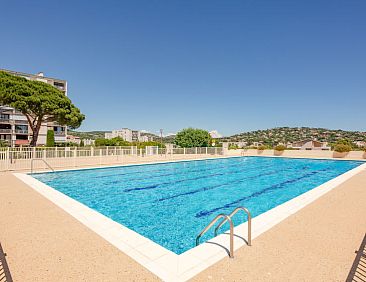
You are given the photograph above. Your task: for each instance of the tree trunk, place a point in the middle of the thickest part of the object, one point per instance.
(35, 132)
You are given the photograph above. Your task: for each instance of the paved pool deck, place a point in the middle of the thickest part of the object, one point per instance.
(318, 243)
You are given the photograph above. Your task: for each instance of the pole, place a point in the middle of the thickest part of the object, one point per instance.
(161, 140)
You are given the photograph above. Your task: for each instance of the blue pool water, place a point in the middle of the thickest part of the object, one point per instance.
(171, 203)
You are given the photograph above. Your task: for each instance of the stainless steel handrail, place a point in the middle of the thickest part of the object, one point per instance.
(249, 222)
(227, 218)
(32, 161)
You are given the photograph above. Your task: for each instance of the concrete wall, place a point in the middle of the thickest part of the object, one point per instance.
(353, 155)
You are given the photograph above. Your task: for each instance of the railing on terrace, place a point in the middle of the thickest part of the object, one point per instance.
(19, 158)
(2, 130)
(21, 131)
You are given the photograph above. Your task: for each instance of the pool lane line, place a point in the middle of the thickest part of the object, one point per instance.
(256, 194)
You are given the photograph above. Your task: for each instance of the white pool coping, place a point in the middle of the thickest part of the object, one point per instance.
(162, 262)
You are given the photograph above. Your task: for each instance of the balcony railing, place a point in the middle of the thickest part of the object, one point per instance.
(21, 131)
(2, 130)
(18, 121)
(4, 120)
(60, 133)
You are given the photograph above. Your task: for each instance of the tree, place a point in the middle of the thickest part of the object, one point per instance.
(50, 142)
(116, 141)
(3, 143)
(81, 143)
(39, 102)
(191, 137)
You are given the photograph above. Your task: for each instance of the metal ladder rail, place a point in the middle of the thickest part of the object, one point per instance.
(249, 222)
(32, 161)
(226, 218)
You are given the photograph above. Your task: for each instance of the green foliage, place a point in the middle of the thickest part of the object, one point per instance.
(342, 148)
(280, 148)
(262, 147)
(39, 102)
(293, 134)
(141, 145)
(344, 142)
(343, 145)
(81, 143)
(191, 137)
(116, 141)
(233, 147)
(50, 142)
(3, 143)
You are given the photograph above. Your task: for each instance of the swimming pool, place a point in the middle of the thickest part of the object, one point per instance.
(171, 203)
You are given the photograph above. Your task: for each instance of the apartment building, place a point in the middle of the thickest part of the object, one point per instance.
(127, 135)
(14, 128)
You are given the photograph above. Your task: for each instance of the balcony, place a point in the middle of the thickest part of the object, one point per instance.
(5, 130)
(4, 120)
(18, 121)
(21, 131)
(60, 133)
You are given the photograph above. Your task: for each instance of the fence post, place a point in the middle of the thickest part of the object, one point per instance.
(92, 151)
(206, 150)
(215, 151)
(7, 158)
(196, 151)
(184, 151)
(75, 156)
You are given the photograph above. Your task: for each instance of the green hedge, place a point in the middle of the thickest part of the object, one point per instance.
(342, 148)
(280, 148)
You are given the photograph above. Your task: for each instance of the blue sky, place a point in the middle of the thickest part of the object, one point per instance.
(232, 65)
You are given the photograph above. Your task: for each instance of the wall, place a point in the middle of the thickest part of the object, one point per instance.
(353, 155)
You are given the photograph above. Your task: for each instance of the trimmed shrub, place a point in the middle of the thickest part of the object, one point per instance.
(280, 148)
(50, 142)
(262, 147)
(342, 148)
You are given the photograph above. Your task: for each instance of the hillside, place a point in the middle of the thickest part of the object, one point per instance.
(291, 134)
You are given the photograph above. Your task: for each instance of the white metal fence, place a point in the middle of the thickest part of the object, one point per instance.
(21, 158)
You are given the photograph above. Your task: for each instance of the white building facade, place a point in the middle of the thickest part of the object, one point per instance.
(127, 135)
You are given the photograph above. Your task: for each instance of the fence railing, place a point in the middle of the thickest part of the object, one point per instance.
(58, 157)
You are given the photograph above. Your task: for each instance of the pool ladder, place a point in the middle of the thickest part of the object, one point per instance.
(47, 164)
(228, 218)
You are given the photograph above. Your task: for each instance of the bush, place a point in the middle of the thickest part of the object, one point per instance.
(3, 143)
(191, 137)
(116, 141)
(342, 148)
(280, 148)
(262, 147)
(50, 142)
(233, 147)
(142, 145)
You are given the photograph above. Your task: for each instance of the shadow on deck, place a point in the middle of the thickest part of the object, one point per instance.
(358, 270)
(5, 275)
